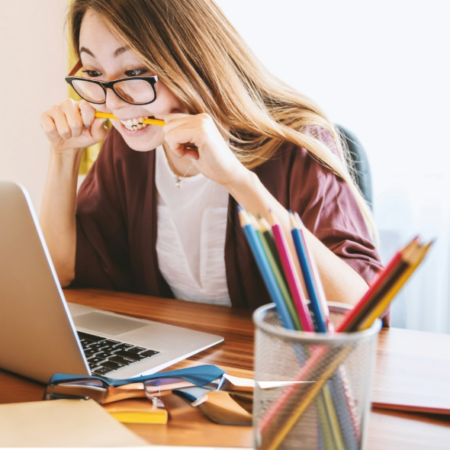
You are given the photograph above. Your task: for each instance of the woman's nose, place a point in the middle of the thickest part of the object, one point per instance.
(113, 101)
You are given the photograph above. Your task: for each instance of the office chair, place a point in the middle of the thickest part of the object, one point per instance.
(360, 161)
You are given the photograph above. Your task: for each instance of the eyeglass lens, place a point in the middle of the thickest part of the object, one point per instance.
(132, 91)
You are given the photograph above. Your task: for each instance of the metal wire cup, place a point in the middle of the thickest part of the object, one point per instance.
(312, 390)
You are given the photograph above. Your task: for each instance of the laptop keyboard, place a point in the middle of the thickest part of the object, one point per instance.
(105, 355)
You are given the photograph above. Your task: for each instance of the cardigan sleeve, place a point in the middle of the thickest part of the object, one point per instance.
(102, 247)
(330, 211)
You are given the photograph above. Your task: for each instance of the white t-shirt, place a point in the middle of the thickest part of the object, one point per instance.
(192, 220)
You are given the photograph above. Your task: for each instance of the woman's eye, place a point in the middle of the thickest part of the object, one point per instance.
(135, 72)
(92, 73)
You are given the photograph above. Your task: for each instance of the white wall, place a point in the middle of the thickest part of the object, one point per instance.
(382, 70)
(33, 66)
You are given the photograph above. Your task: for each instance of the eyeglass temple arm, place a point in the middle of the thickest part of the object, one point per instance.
(75, 68)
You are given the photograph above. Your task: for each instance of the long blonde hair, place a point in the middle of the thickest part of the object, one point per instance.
(198, 54)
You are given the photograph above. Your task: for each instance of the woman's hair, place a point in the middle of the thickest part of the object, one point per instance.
(202, 59)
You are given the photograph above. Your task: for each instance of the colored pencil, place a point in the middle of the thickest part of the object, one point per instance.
(310, 282)
(313, 370)
(292, 276)
(276, 272)
(379, 288)
(267, 231)
(294, 283)
(296, 222)
(338, 387)
(103, 115)
(329, 411)
(312, 367)
(414, 261)
(264, 268)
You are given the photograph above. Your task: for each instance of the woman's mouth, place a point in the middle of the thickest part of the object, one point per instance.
(135, 124)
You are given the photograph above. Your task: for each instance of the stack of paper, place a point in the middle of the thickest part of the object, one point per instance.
(62, 423)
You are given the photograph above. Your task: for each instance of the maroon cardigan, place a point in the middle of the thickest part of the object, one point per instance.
(117, 222)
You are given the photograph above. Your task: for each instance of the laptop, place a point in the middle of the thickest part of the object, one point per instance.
(41, 334)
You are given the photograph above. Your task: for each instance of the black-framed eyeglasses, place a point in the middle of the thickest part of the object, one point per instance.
(135, 91)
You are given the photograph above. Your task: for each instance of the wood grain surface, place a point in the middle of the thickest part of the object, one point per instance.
(398, 354)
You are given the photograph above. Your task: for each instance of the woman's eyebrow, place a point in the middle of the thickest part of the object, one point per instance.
(86, 50)
(117, 53)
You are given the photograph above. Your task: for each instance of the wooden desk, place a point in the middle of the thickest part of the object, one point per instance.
(387, 429)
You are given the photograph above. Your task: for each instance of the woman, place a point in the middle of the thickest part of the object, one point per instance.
(157, 214)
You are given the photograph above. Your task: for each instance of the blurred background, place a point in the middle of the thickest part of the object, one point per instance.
(381, 69)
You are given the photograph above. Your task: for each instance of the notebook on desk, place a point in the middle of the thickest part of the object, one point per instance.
(412, 372)
(41, 334)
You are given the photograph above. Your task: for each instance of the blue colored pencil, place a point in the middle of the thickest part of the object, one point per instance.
(308, 276)
(264, 268)
(348, 426)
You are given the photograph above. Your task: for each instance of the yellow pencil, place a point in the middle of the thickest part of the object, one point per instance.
(103, 115)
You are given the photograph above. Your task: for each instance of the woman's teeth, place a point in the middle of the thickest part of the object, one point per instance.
(135, 124)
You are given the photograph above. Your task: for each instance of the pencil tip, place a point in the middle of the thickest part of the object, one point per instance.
(271, 218)
(299, 219)
(292, 220)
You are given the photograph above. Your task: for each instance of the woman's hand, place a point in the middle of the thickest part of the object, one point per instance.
(212, 156)
(72, 125)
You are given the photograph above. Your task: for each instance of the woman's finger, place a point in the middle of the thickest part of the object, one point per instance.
(176, 120)
(73, 117)
(61, 123)
(99, 130)
(49, 126)
(181, 137)
(87, 113)
(191, 153)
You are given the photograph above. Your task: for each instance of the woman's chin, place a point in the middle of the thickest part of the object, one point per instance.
(143, 140)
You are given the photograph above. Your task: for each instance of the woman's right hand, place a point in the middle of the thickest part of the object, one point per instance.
(72, 125)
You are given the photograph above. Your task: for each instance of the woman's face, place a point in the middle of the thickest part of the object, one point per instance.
(106, 59)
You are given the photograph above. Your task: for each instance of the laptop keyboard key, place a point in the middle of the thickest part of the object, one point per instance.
(121, 360)
(122, 347)
(89, 353)
(133, 356)
(94, 360)
(111, 343)
(101, 370)
(90, 337)
(112, 365)
(149, 353)
(104, 355)
(96, 347)
(136, 350)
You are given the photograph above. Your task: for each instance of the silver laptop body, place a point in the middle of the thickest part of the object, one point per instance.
(38, 328)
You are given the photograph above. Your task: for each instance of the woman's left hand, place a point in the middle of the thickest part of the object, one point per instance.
(213, 158)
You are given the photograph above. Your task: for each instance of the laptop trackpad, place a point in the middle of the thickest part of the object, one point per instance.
(107, 324)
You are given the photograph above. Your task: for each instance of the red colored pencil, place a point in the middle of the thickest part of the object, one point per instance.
(379, 286)
(291, 275)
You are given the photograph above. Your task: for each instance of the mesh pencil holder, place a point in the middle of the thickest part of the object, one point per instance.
(312, 390)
